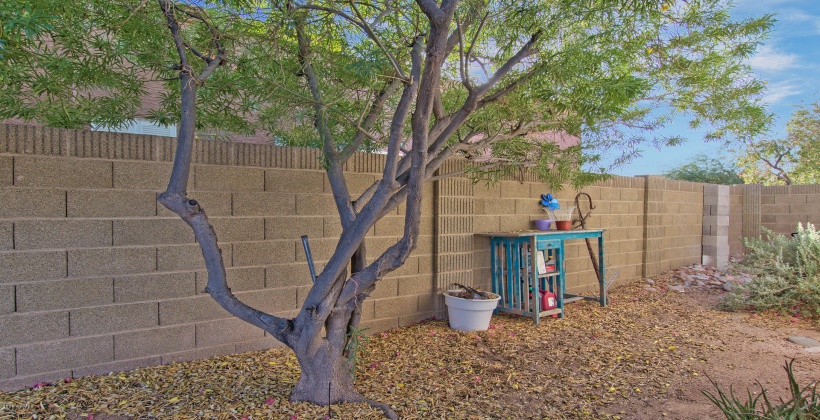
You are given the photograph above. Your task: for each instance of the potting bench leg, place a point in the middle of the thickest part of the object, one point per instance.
(601, 271)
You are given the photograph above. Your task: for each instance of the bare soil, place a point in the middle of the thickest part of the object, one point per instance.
(753, 350)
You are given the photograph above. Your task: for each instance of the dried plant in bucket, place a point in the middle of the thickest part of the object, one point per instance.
(564, 214)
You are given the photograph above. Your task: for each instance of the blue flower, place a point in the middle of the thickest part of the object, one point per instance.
(549, 202)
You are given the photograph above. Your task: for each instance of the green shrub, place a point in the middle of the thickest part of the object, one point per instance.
(785, 270)
(804, 403)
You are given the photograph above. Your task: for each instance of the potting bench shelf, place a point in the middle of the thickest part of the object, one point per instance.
(519, 274)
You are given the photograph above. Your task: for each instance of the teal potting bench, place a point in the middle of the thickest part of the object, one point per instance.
(518, 276)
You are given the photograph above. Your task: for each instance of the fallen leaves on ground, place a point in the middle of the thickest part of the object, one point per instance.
(635, 349)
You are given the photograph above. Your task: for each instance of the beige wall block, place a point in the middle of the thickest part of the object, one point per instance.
(234, 229)
(270, 300)
(111, 203)
(263, 204)
(288, 275)
(357, 183)
(61, 233)
(109, 261)
(7, 304)
(315, 205)
(36, 171)
(417, 285)
(186, 257)
(64, 294)
(395, 307)
(190, 310)
(8, 363)
(152, 176)
(66, 354)
(515, 189)
(226, 331)
(153, 231)
(806, 209)
(215, 203)
(386, 288)
(264, 253)
(113, 318)
(290, 181)
(26, 328)
(380, 325)
(32, 266)
(19, 203)
(228, 178)
(153, 287)
(295, 227)
(6, 171)
(6, 236)
(791, 199)
(239, 279)
(134, 344)
(321, 248)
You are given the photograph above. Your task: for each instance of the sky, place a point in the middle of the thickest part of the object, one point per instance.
(789, 60)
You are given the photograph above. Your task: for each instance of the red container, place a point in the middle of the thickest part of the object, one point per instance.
(563, 224)
(548, 301)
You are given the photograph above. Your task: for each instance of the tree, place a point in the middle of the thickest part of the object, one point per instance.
(425, 82)
(703, 168)
(792, 160)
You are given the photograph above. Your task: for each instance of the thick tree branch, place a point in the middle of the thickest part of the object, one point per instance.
(174, 198)
(341, 194)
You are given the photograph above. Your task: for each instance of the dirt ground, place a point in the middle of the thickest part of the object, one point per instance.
(752, 351)
(647, 355)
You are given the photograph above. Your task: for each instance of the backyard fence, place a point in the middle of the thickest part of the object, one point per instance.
(95, 276)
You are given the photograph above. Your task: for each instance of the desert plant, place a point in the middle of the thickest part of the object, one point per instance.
(804, 402)
(786, 273)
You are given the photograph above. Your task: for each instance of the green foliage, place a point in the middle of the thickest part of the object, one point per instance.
(601, 71)
(804, 403)
(357, 340)
(786, 273)
(792, 160)
(703, 168)
(74, 64)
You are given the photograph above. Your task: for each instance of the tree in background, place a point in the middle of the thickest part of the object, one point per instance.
(791, 160)
(422, 82)
(706, 169)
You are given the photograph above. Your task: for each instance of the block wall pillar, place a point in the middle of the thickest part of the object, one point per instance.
(453, 236)
(716, 226)
(653, 231)
(752, 210)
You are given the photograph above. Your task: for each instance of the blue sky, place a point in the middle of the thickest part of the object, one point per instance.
(789, 61)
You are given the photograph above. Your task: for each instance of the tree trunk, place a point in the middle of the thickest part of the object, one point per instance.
(327, 373)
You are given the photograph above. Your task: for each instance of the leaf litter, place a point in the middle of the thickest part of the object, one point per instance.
(641, 347)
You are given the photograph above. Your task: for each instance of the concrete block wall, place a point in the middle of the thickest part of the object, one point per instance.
(513, 205)
(96, 276)
(783, 207)
(777, 208)
(682, 223)
(736, 215)
(716, 212)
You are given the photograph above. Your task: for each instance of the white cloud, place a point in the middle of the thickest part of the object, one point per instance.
(778, 91)
(768, 59)
(808, 22)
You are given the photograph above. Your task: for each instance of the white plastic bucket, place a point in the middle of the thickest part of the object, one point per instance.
(469, 314)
